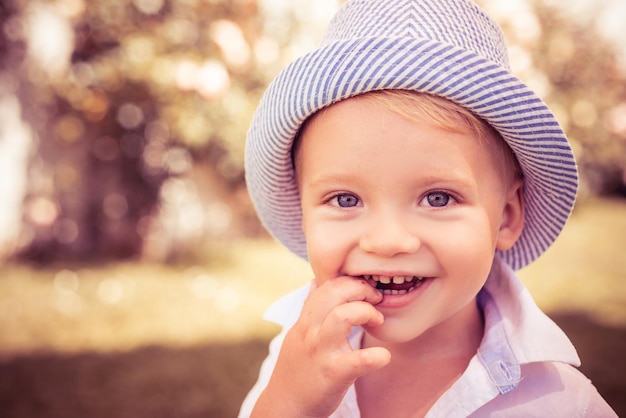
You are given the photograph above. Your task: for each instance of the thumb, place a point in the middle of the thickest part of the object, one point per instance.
(361, 362)
(373, 358)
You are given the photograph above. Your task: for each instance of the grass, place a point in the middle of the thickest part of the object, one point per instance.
(585, 270)
(122, 306)
(137, 339)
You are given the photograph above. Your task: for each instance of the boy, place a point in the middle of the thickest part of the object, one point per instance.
(415, 173)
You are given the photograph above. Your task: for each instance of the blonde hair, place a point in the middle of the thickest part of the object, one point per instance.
(437, 112)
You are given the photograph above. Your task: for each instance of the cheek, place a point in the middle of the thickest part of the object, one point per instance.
(470, 246)
(327, 249)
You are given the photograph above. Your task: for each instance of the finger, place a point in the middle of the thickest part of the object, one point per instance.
(338, 323)
(349, 366)
(335, 292)
(313, 285)
(348, 289)
(369, 293)
(308, 308)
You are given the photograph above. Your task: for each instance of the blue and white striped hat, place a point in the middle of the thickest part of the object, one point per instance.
(448, 48)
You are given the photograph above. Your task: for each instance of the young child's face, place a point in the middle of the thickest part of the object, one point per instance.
(386, 196)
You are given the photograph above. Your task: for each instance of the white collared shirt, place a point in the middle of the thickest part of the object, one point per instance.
(523, 367)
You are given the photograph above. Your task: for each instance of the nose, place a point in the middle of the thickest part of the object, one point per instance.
(387, 234)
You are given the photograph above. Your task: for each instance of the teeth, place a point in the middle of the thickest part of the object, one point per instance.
(395, 292)
(416, 282)
(392, 279)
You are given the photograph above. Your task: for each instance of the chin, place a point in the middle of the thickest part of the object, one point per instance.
(392, 333)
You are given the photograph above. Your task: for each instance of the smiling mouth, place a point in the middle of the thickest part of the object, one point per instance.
(394, 285)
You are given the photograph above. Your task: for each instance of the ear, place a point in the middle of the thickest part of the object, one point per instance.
(512, 216)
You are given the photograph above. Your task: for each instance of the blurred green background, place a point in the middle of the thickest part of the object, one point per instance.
(134, 271)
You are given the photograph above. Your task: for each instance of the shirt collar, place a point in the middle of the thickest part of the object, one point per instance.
(512, 314)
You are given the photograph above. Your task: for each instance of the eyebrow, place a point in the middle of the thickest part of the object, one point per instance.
(330, 179)
(457, 180)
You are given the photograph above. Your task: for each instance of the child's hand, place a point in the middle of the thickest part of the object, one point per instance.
(316, 364)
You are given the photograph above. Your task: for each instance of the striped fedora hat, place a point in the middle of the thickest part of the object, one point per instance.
(448, 48)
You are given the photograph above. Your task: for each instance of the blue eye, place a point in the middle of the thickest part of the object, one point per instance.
(345, 200)
(437, 199)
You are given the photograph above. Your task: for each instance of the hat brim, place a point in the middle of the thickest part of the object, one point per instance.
(348, 68)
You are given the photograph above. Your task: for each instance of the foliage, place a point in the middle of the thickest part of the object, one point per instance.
(150, 89)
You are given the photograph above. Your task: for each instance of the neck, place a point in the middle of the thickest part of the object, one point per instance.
(422, 369)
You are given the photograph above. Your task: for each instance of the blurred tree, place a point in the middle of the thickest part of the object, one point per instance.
(123, 95)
